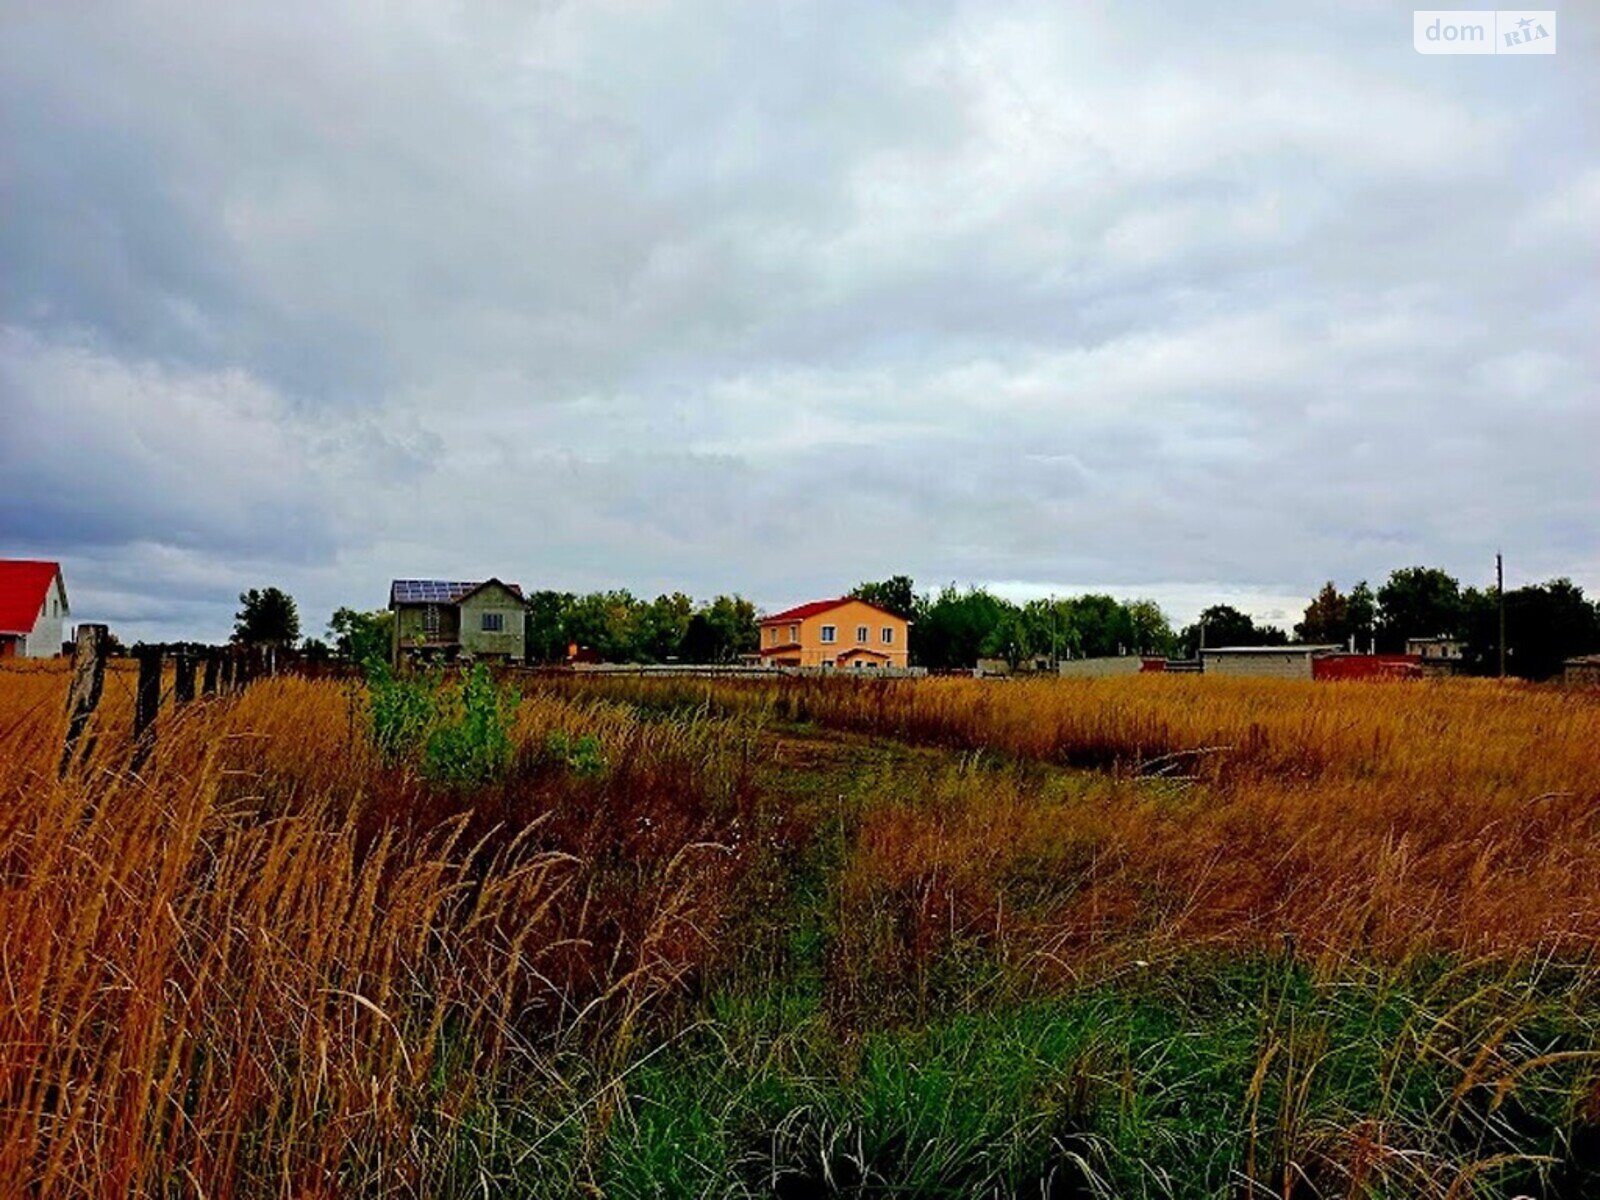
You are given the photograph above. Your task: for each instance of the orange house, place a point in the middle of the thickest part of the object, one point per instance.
(849, 634)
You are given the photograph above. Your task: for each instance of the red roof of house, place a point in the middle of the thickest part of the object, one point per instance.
(863, 650)
(787, 646)
(802, 611)
(24, 584)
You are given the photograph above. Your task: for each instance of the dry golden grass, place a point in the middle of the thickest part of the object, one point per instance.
(1376, 818)
(265, 963)
(268, 962)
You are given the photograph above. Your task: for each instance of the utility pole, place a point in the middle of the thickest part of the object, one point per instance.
(1500, 597)
(1055, 654)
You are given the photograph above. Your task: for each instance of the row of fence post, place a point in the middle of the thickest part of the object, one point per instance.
(221, 670)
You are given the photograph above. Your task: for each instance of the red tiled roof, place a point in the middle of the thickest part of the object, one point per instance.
(802, 611)
(24, 584)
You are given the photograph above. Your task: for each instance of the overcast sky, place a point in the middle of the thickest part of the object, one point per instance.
(774, 297)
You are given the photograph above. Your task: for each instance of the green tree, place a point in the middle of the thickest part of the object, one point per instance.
(1361, 612)
(1546, 624)
(953, 628)
(660, 626)
(359, 636)
(897, 594)
(721, 631)
(1151, 629)
(1100, 626)
(1010, 638)
(1046, 627)
(547, 637)
(607, 623)
(1418, 602)
(1223, 625)
(1327, 617)
(266, 617)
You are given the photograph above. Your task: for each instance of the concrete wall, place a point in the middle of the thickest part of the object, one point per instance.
(1100, 668)
(512, 637)
(45, 639)
(1286, 664)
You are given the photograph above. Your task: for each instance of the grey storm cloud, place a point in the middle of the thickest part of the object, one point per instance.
(1171, 300)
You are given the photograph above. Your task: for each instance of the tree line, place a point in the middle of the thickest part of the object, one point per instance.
(1545, 623)
(953, 627)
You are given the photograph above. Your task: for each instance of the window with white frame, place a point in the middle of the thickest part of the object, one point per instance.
(888, 635)
(830, 634)
(430, 619)
(494, 622)
(862, 634)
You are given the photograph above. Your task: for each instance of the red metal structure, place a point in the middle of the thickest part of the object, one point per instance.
(1366, 666)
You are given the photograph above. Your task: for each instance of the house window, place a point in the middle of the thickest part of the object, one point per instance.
(888, 635)
(862, 634)
(430, 619)
(794, 633)
(772, 636)
(494, 622)
(830, 634)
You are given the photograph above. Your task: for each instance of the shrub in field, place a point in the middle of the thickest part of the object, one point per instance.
(470, 742)
(581, 755)
(400, 711)
(458, 735)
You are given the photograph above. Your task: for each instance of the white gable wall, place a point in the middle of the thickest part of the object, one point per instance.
(48, 630)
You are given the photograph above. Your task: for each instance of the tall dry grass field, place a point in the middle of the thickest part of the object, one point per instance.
(1375, 817)
(265, 963)
(948, 937)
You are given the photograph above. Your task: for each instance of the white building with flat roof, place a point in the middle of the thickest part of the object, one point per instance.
(1264, 662)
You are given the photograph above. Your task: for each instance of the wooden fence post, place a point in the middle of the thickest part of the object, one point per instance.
(146, 702)
(208, 686)
(183, 683)
(88, 679)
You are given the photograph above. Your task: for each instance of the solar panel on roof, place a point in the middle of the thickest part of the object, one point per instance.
(430, 591)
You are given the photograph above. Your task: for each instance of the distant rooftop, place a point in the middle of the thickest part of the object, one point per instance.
(1297, 648)
(24, 584)
(801, 611)
(437, 591)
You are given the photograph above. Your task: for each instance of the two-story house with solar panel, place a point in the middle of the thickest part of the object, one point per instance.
(445, 620)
